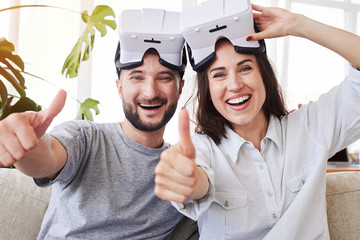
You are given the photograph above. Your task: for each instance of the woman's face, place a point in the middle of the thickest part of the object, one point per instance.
(236, 86)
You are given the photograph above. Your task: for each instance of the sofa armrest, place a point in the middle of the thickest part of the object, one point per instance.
(343, 205)
(22, 205)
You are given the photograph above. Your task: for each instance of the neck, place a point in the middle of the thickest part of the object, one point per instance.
(153, 139)
(254, 131)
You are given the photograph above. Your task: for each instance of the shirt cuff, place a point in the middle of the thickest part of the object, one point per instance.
(195, 208)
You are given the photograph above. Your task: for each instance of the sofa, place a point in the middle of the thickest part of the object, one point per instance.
(22, 206)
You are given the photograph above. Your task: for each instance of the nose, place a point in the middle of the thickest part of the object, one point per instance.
(150, 89)
(235, 82)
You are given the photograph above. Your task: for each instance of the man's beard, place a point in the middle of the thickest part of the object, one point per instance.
(133, 117)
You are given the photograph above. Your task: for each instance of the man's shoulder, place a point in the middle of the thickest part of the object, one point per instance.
(84, 124)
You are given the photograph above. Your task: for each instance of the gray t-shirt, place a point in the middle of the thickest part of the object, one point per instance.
(106, 188)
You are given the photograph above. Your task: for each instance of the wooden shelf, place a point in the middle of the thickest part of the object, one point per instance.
(342, 167)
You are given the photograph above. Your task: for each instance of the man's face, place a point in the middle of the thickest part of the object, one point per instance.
(149, 93)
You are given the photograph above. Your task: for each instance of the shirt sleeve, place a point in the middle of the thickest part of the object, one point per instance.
(195, 208)
(72, 135)
(334, 120)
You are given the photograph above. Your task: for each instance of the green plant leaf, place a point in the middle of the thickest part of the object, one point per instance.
(85, 43)
(3, 95)
(22, 105)
(7, 68)
(85, 107)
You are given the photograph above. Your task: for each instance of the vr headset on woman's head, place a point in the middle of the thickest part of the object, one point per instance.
(142, 29)
(202, 26)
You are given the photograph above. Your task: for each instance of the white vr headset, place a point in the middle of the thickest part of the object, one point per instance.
(202, 26)
(143, 29)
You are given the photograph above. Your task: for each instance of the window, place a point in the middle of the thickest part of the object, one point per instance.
(4, 18)
(47, 35)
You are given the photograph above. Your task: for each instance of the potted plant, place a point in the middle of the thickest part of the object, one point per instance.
(12, 66)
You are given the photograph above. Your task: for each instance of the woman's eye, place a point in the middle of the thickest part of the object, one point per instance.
(218, 75)
(245, 68)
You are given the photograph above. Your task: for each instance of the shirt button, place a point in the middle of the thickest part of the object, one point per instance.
(261, 167)
(269, 194)
(226, 204)
(274, 216)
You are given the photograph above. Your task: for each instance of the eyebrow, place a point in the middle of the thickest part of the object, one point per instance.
(135, 72)
(167, 72)
(238, 64)
(162, 72)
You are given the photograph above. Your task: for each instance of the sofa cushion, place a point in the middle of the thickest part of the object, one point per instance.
(343, 205)
(22, 205)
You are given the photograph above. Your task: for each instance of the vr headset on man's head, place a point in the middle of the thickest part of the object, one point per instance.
(202, 26)
(142, 29)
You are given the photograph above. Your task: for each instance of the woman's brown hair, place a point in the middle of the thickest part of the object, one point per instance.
(213, 124)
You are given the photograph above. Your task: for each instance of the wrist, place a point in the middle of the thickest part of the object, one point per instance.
(300, 24)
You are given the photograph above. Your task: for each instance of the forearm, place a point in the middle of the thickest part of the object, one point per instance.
(45, 160)
(202, 184)
(344, 43)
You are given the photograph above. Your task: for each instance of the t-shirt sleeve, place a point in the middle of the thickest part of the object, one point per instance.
(74, 136)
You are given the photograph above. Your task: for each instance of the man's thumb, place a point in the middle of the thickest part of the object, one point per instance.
(56, 105)
(44, 118)
(184, 133)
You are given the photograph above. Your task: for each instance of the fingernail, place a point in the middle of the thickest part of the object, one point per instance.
(249, 38)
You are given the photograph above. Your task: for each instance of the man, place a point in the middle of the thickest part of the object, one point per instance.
(103, 174)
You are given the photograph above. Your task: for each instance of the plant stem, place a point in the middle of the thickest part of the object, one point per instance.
(26, 6)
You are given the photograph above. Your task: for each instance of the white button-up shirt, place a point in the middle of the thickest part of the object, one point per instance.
(279, 192)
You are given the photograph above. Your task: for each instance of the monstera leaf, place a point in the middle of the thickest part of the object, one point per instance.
(85, 107)
(22, 105)
(10, 68)
(85, 44)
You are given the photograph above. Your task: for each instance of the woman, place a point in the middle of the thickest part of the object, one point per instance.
(260, 172)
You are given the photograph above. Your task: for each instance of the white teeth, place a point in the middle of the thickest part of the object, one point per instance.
(150, 105)
(238, 100)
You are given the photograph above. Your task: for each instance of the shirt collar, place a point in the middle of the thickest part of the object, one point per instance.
(233, 142)
(274, 132)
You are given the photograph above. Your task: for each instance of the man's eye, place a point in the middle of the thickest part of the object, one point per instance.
(135, 78)
(166, 78)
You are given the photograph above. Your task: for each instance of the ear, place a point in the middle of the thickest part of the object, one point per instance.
(181, 85)
(119, 86)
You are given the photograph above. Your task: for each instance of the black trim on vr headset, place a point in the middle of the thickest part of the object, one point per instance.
(174, 67)
(217, 28)
(211, 57)
(203, 63)
(131, 65)
(250, 50)
(152, 41)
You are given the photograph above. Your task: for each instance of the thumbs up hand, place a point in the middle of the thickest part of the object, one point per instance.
(185, 143)
(20, 132)
(177, 176)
